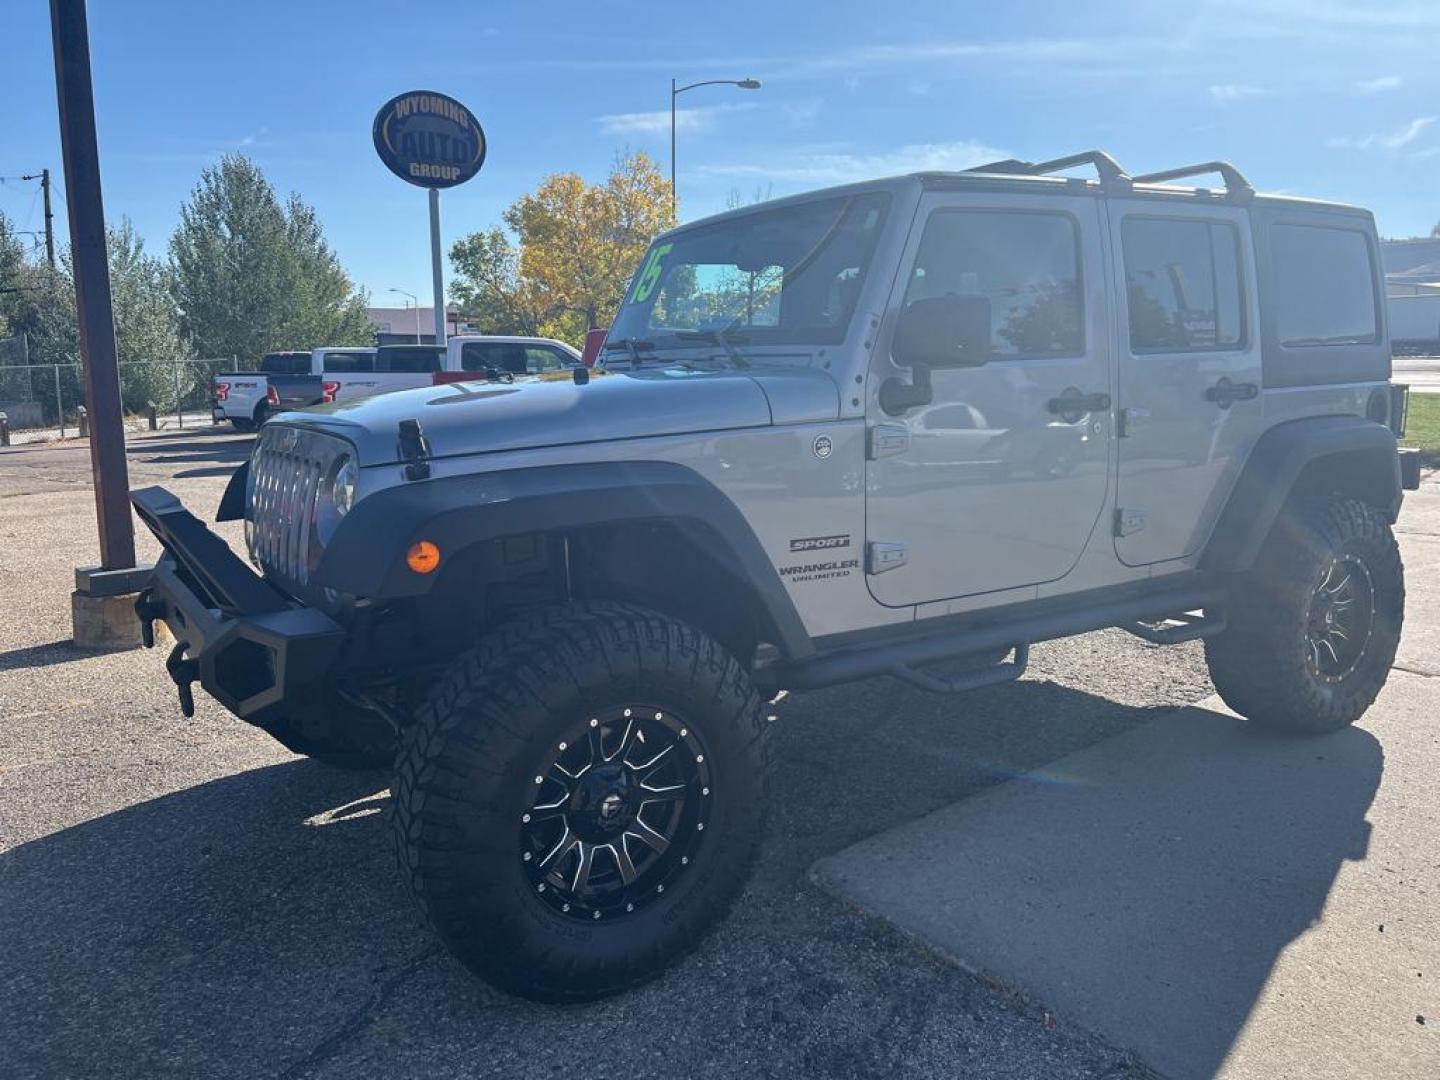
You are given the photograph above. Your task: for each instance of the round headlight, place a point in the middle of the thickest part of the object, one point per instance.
(342, 487)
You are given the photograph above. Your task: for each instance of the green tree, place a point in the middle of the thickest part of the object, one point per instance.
(564, 259)
(252, 275)
(489, 289)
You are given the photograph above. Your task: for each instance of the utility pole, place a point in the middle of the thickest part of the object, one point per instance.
(44, 177)
(75, 95)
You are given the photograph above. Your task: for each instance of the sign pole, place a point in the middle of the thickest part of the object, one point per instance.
(435, 270)
(81, 156)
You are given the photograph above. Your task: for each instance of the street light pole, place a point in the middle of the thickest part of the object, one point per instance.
(676, 91)
(415, 303)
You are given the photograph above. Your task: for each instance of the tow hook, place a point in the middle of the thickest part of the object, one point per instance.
(147, 611)
(184, 672)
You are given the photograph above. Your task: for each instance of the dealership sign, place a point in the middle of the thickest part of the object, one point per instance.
(429, 139)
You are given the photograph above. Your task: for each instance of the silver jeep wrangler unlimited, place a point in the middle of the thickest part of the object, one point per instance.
(851, 433)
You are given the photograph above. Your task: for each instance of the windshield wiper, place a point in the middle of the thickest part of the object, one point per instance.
(725, 338)
(630, 345)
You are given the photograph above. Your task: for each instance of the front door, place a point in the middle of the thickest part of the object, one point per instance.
(999, 482)
(1189, 370)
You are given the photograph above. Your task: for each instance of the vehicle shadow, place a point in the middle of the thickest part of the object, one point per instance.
(1144, 888)
(255, 924)
(36, 656)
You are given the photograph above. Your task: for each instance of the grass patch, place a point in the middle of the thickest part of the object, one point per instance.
(1422, 428)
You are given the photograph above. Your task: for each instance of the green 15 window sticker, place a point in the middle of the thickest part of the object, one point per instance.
(650, 273)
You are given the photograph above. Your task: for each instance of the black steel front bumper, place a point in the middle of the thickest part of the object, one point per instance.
(248, 644)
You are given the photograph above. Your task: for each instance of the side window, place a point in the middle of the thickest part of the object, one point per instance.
(409, 359)
(493, 356)
(348, 361)
(1324, 286)
(1026, 264)
(1182, 284)
(542, 358)
(478, 356)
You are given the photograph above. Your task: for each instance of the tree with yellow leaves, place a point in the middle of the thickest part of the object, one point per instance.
(565, 257)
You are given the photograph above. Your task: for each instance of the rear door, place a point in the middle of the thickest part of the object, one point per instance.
(999, 482)
(1189, 370)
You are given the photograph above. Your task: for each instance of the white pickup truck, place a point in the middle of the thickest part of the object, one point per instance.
(297, 380)
(1414, 324)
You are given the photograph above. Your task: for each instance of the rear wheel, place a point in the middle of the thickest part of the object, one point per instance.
(245, 426)
(582, 798)
(1313, 627)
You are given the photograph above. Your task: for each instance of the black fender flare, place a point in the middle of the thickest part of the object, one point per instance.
(366, 557)
(1362, 453)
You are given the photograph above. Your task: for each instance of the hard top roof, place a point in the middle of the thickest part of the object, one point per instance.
(1015, 175)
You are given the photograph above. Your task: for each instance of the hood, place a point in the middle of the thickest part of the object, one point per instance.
(487, 417)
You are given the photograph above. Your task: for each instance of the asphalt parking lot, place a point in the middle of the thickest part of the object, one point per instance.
(185, 898)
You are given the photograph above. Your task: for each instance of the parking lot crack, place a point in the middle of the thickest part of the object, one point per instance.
(353, 1024)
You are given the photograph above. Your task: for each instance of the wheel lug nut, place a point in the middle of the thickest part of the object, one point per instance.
(594, 722)
(525, 818)
(526, 856)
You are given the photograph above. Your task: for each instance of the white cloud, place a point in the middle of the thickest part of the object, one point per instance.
(819, 166)
(1378, 85)
(658, 122)
(1224, 93)
(1393, 140)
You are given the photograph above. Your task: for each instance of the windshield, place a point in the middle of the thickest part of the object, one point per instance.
(786, 276)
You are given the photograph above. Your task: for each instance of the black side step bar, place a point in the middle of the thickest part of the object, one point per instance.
(1186, 626)
(970, 680)
(985, 632)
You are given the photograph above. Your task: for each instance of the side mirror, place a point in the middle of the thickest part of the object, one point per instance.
(944, 332)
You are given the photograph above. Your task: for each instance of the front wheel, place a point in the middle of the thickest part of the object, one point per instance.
(1313, 627)
(582, 798)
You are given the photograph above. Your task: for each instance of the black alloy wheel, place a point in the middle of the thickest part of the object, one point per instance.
(1341, 619)
(619, 812)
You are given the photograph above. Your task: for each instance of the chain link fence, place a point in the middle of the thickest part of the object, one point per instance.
(37, 396)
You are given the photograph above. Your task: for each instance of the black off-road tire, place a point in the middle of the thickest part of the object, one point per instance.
(468, 772)
(1265, 665)
(245, 427)
(338, 734)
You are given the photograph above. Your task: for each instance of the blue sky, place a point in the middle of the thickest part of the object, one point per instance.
(1319, 97)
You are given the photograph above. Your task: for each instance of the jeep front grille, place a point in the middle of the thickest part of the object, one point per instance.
(287, 471)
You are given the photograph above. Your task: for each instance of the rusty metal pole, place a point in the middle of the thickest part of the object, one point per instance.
(75, 95)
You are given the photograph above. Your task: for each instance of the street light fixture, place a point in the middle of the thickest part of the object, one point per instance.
(676, 91)
(415, 303)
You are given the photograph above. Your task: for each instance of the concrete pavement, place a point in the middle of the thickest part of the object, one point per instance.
(1422, 373)
(1217, 900)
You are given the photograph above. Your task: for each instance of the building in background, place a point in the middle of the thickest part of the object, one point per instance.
(1412, 267)
(408, 325)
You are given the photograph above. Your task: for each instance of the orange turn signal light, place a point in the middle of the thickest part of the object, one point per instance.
(423, 557)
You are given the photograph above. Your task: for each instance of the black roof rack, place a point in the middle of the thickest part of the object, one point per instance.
(1236, 186)
(1106, 167)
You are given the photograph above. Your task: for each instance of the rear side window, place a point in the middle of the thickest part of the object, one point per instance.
(502, 356)
(412, 359)
(348, 361)
(1324, 286)
(286, 363)
(1182, 284)
(1026, 264)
